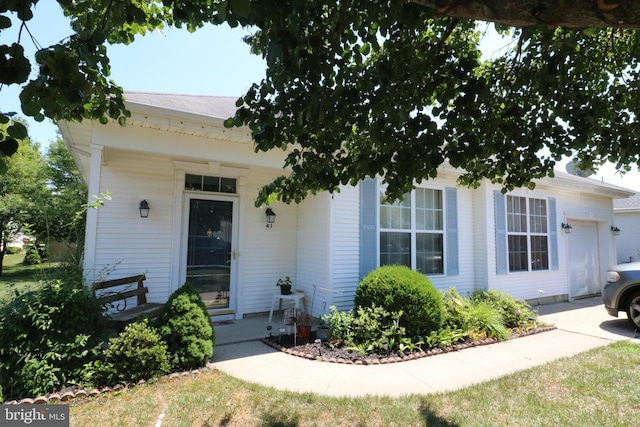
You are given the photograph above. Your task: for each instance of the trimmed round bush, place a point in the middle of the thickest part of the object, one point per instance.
(398, 288)
(137, 353)
(186, 327)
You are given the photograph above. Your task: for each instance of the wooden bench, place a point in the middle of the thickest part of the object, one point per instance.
(107, 296)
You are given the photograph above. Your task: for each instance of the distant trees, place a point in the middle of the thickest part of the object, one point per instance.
(22, 190)
(43, 191)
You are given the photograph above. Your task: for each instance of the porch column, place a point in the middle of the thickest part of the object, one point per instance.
(92, 214)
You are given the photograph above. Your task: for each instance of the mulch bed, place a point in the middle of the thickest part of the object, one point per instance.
(309, 349)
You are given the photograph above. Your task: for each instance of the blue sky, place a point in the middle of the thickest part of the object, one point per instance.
(212, 61)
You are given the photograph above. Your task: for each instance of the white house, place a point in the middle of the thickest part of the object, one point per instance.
(626, 213)
(200, 181)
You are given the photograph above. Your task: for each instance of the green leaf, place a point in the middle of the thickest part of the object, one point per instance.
(3, 167)
(9, 146)
(17, 130)
(5, 22)
(241, 8)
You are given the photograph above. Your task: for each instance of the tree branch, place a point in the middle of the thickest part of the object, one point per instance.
(552, 13)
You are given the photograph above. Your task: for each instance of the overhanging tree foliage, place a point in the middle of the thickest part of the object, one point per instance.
(358, 88)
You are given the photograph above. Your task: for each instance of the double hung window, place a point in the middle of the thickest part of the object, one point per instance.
(527, 234)
(412, 231)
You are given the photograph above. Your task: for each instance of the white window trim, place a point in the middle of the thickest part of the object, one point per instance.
(528, 234)
(413, 230)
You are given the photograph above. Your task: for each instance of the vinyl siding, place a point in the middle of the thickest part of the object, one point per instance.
(127, 244)
(346, 246)
(266, 254)
(569, 206)
(313, 249)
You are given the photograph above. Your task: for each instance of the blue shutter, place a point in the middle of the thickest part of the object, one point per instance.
(553, 235)
(368, 226)
(451, 210)
(500, 208)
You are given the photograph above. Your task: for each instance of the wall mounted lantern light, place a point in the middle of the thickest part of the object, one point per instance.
(567, 228)
(144, 209)
(271, 217)
(615, 230)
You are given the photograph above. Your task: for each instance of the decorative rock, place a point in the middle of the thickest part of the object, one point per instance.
(118, 387)
(358, 362)
(26, 401)
(40, 400)
(384, 361)
(94, 392)
(174, 375)
(81, 393)
(374, 362)
(333, 360)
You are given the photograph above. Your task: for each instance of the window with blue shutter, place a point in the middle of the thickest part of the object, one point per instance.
(417, 230)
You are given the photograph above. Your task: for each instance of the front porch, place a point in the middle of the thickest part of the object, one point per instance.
(250, 328)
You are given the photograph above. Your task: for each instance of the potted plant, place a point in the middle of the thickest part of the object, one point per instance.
(303, 324)
(285, 285)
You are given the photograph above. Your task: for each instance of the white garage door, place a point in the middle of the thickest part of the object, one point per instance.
(584, 259)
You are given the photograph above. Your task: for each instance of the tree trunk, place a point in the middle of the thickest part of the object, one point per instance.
(551, 13)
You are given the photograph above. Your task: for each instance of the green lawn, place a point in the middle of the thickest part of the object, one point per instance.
(17, 277)
(599, 387)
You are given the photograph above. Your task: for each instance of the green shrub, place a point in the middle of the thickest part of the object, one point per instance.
(515, 312)
(454, 307)
(339, 323)
(47, 336)
(32, 257)
(481, 318)
(370, 329)
(398, 288)
(186, 327)
(137, 353)
(12, 250)
(445, 337)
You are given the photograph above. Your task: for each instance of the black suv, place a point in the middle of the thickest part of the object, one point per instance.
(621, 292)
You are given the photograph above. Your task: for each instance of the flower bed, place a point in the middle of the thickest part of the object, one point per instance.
(311, 350)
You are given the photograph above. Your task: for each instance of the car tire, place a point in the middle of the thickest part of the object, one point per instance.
(633, 309)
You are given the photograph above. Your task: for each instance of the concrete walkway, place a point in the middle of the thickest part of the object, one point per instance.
(581, 325)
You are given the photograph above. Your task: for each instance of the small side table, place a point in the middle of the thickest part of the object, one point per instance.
(297, 298)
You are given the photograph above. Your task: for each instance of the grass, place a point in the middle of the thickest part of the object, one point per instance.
(18, 278)
(598, 387)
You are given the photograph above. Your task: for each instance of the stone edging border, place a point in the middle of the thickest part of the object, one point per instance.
(416, 355)
(69, 395)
